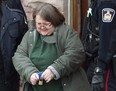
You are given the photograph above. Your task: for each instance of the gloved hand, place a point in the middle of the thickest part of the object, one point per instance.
(98, 80)
(48, 75)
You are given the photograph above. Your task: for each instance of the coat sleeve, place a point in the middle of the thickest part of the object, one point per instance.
(72, 53)
(21, 60)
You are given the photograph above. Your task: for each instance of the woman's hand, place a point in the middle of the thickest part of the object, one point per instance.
(48, 75)
(34, 78)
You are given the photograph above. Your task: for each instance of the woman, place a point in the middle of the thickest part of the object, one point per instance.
(54, 49)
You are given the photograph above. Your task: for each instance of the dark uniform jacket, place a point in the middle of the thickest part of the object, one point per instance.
(15, 4)
(13, 27)
(104, 14)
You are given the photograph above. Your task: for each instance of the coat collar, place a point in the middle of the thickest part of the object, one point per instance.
(50, 39)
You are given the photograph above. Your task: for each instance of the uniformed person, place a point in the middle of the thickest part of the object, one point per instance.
(12, 29)
(104, 78)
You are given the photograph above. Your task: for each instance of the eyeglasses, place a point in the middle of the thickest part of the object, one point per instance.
(44, 25)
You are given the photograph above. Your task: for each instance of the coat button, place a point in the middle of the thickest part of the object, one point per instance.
(64, 84)
(3, 28)
(14, 19)
(31, 45)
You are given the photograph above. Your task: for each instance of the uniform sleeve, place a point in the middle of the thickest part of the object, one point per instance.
(23, 27)
(107, 32)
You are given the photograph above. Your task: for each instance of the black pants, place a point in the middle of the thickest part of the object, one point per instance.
(110, 81)
(3, 88)
(12, 85)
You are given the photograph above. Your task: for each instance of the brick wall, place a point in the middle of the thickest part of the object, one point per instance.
(57, 3)
(62, 5)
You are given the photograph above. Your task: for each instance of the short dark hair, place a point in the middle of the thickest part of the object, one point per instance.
(49, 13)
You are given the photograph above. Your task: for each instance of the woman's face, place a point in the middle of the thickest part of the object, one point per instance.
(44, 27)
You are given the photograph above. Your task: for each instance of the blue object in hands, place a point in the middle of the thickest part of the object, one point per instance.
(40, 78)
(40, 74)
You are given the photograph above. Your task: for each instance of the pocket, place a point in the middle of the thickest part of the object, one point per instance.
(13, 30)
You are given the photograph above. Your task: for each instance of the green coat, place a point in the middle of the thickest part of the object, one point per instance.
(68, 65)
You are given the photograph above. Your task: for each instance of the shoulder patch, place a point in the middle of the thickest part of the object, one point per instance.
(108, 14)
